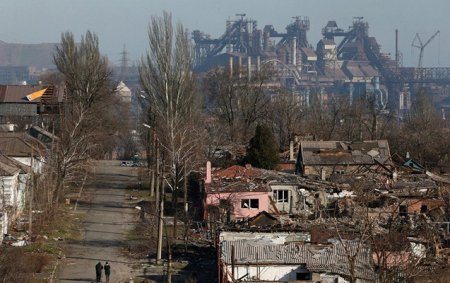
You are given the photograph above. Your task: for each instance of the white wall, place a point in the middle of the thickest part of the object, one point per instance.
(278, 238)
(3, 225)
(282, 273)
(37, 164)
(9, 188)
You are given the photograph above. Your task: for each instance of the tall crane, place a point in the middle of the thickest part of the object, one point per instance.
(417, 42)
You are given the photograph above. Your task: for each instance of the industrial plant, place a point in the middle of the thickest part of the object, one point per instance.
(347, 62)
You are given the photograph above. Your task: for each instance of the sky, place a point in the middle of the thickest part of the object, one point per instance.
(125, 22)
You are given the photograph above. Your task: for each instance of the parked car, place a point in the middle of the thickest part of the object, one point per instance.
(126, 163)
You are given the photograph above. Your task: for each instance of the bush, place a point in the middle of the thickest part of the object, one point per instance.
(18, 266)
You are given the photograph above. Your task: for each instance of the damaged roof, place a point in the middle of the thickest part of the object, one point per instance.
(249, 179)
(344, 153)
(331, 258)
(19, 93)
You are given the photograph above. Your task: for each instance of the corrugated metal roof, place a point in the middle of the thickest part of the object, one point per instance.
(7, 167)
(19, 145)
(319, 258)
(345, 153)
(18, 93)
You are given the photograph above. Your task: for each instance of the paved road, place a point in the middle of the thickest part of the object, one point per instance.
(107, 217)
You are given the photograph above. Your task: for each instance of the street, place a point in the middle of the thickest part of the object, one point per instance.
(107, 216)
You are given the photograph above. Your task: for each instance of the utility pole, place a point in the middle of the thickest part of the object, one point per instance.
(185, 204)
(161, 219)
(30, 224)
(157, 174)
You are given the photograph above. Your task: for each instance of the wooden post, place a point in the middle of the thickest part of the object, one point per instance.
(30, 224)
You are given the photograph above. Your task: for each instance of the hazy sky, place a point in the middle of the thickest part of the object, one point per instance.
(119, 22)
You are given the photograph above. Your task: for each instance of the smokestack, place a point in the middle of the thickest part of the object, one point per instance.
(294, 51)
(396, 47)
(208, 173)
(231, 65)
(291, 150)
(258, 64)
(249, 67)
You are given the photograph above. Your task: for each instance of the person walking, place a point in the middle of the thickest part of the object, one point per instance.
(107, 271)
(98, 271)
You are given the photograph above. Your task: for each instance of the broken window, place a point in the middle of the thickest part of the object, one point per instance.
(250, 203)
(423, 208)
(282, 196)
(403, 210)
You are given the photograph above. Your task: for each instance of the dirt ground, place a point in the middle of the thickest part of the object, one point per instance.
(107, 217)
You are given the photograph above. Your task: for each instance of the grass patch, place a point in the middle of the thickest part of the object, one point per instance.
(66, 225)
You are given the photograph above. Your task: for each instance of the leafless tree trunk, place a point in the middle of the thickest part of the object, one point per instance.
(169, 84)
(239, 102)
(86, 77)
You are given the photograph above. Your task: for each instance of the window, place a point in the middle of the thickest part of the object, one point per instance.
(250, 203)
(281, 196)
(303, 275)
(403, 210)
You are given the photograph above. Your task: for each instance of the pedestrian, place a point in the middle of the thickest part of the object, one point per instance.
(107, 271)
(98, 271)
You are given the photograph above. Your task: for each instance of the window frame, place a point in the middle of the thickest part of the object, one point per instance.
(285, 197)
(250, 202)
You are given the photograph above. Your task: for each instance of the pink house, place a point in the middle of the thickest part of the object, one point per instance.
(234, 192)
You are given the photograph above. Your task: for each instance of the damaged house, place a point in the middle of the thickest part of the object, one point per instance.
(242, 192)
(322, 159)
(289, 256)
(13, 182)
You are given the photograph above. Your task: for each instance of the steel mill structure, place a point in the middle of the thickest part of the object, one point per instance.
(348, 62)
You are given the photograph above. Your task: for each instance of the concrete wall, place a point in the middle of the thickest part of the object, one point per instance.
(236, 197)
(18, 109)
(293, 197)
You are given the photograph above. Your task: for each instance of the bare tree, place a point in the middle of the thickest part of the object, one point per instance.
(238, 101)
(287, 113)
(169, 85)
(86, 75)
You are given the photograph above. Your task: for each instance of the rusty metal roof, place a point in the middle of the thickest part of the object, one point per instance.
(20, 145)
